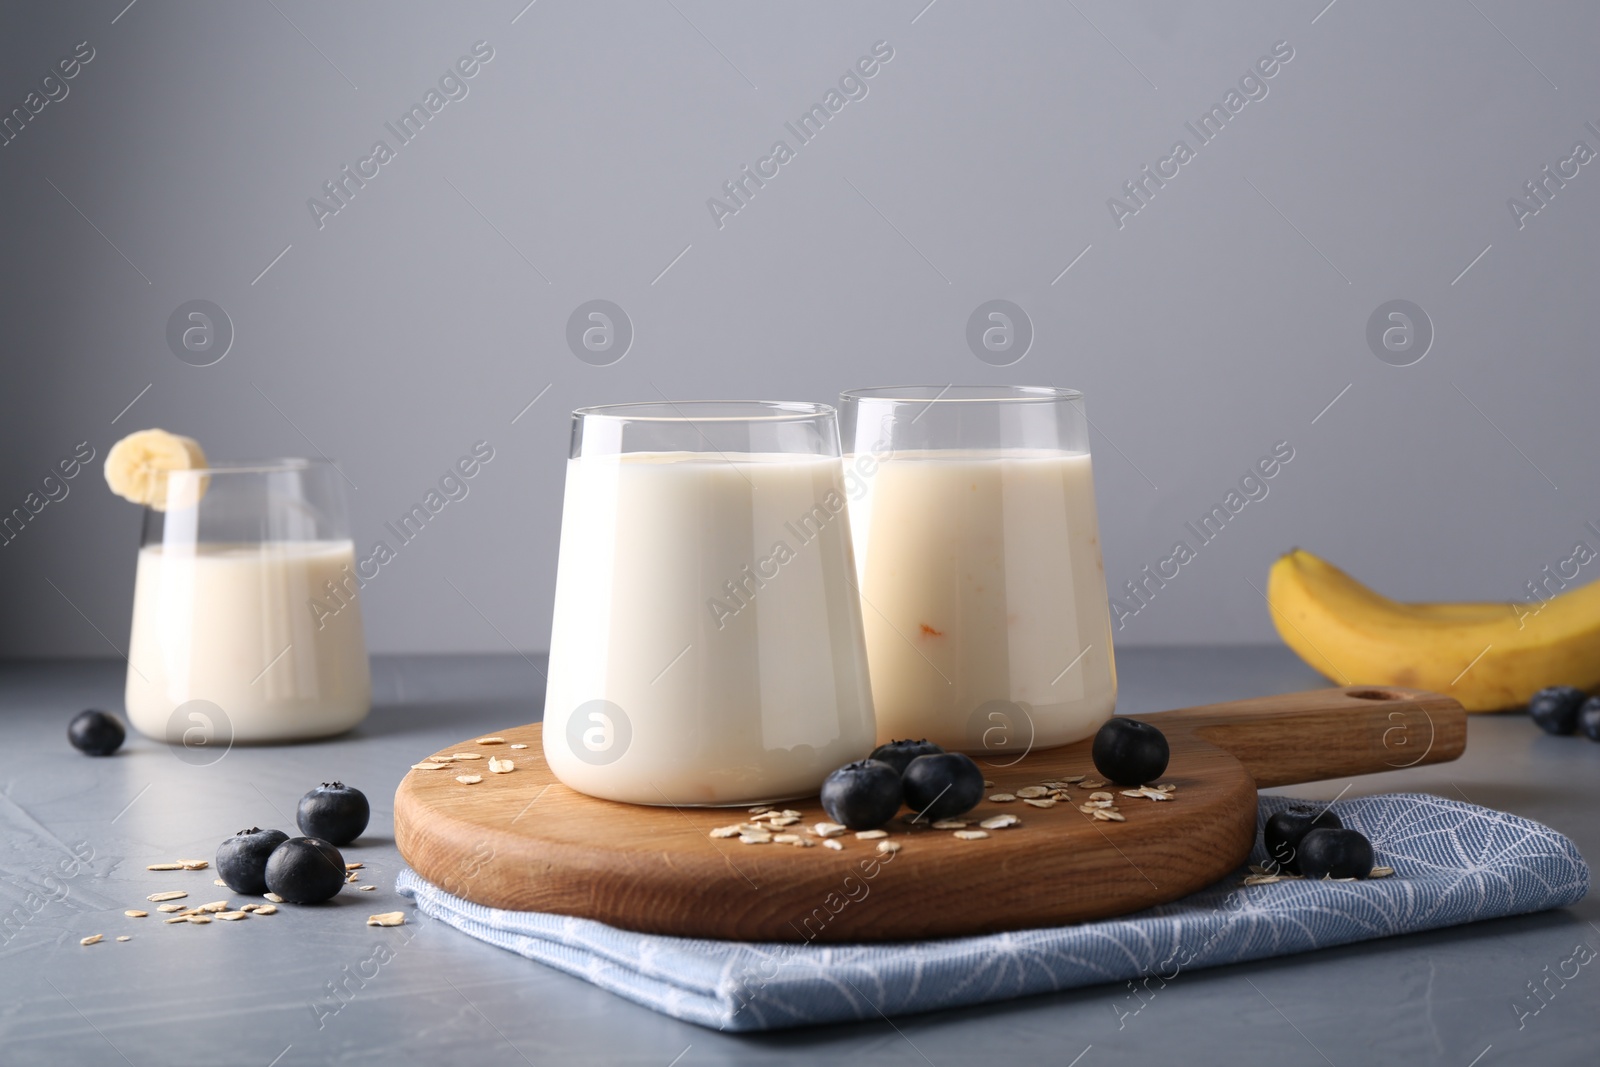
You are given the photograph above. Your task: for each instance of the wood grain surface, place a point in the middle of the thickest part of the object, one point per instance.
(523, 841)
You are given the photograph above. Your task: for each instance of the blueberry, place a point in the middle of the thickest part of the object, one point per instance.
(95, 733)
(333, 812)
(943, 785)
(1130, 752)
(305, 870)
(1589, 718)
(862, 795)
(242, 859)
(1335, 854)
(899, 754)
(1285, 830)
(1555, 709)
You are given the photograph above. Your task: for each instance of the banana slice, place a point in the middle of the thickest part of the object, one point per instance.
(136, 467)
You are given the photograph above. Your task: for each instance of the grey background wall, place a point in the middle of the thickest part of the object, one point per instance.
(1224, 316)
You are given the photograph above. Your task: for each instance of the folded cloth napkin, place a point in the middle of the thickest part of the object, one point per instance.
(1454, 863)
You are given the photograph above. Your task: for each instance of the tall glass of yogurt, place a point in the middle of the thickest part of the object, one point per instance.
(707, 645)
(978, 556)
(247, 610)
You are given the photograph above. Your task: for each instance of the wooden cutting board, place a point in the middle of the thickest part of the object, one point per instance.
(525, 842)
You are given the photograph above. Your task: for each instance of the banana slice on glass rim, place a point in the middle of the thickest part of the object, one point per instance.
(136, 468)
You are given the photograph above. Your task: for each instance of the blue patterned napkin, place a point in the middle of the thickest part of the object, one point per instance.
(1454, 863)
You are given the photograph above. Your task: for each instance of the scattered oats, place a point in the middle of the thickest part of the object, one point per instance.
(1256, 868)
(172, 894)
(1166, 787)
(1325, 878)
(184, 914)
(1261, 879)
(387, 918)
(501, 766)
(176, 919)
(782, 820)
(725, 831)
(368, 888)
(219, 881)
(760, 838)
(785, 839)
(233, 916)
(1032, 791)
(1130, 792)
(125, 937)
(1000, 822)
(762, 810)
(198, 920)
(1040, 802)
(248, 907)
(170, 907)
(888, 848)
(1107, 815)
(752, 828)
(467, 755)
(950, 824)
(1156, 794)
(351, 878)
(194, 865)
(266, 909)
(275, 898)
(1106, 796)
(1072, 779)
(519, 746)
(1003, 798)
(871, 835)
(429, 766)
(165, 867)
(829, 829)
(1088, 783)
(988, 784)
(469, 779)
(441, 759)
(217, 905)
(802, 842)
(93, 939)
(790, 813)
(831, 843)
(970, 835)
(1381, 872)
(354, 866)
(135, 913)
(490, 741)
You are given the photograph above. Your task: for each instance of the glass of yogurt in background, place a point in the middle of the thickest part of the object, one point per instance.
(978, 554)
(707, 646)
(246, 614)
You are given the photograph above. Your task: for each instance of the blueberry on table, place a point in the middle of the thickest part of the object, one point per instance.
(1335, 854)
(1555, 709)
(943, 785)
(862, 795)
(242, 859)
(305, 870)
(899, 754)
(334, 812)
(1286, 829)
(1589, 718)
(1130, 752)
(96, 733)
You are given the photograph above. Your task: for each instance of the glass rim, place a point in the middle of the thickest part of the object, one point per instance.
(691, 411)
(277, 465)
(964, 394)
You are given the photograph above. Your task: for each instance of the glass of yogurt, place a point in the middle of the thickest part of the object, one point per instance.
(247, 610)
(707, 645)
(978, 556)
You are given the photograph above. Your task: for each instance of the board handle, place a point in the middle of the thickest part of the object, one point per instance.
(1327, 733)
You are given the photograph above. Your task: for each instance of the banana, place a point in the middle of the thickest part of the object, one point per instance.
(136, 467)
(1489, 656)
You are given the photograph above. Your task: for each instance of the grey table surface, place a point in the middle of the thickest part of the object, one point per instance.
(257, 993)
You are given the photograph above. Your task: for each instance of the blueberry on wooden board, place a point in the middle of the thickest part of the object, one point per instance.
(862, 795)
(943, 785)
(899, 754)
(1130, 752)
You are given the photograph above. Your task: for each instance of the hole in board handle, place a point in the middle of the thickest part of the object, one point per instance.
(1371, 694)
